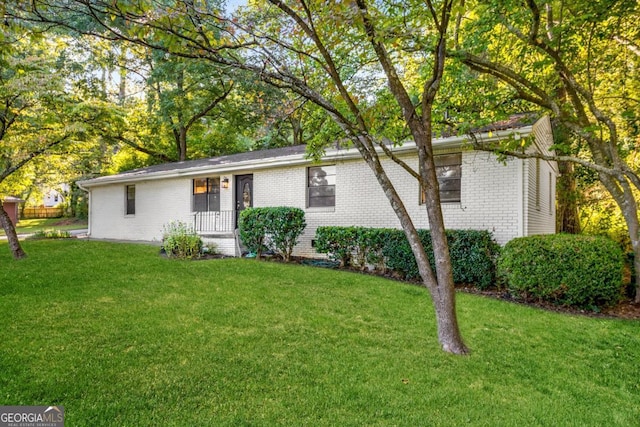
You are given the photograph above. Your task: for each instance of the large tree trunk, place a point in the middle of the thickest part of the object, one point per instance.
(440, 284)
(443, 293)
(12, 236)
(622, 193)
(567, 217)
(630, 213)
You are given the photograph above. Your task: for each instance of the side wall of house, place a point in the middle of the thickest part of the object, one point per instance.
(541, 184)
(156, 203)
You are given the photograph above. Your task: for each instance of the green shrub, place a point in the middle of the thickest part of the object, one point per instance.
(570, 270)
(473, 253)
(252, 227)
(271, 228)
(181, 241)
(369, 247)
(51, 234)
(336, 242)
(284, 225)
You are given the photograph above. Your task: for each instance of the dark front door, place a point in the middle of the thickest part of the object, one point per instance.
(244, 193)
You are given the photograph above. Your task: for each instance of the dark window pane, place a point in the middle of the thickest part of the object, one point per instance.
(214, 201)
(131, 199)
(214, 185)
(321, 186)
(200, 203)
(449, 173)
(206, 194)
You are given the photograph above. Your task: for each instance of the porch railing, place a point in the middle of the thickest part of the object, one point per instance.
(214, 221)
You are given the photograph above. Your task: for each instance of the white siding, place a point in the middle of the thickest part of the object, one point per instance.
(541, 184)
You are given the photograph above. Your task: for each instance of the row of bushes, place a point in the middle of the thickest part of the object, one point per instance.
(473, 252)
(275, 229)
(569, 270)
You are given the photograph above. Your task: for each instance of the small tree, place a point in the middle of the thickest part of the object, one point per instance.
(284, 227)
(271, 228)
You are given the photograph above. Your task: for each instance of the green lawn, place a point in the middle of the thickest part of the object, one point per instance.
(120, 336)
(41, 224)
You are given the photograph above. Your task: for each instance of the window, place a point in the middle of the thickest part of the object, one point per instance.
(321, 186)
(206, 194)
(449, 173)
(131, 199)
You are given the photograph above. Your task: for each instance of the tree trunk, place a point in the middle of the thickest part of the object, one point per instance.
(444, 298)
(568, 219)
(629, 211)
(623, 195)
(12, 236)
(440, 285)
(182, 144)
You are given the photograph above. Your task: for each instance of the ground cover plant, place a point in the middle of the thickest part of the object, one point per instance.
(121, 336)
(41, 224)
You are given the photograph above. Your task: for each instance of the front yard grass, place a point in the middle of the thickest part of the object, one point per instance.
(34, 225)
(120, 336)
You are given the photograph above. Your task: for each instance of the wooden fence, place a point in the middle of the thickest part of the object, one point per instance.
(30, 213)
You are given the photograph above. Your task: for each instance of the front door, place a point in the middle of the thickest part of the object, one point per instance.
(244, 194)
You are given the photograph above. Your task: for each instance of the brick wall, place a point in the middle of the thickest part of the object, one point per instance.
(492, 196)
(489, 200)
(157, 203)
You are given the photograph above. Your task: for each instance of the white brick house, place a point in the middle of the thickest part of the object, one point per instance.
(511, 199)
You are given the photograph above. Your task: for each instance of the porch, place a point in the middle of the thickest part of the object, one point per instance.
(214, 222)
(219, 228)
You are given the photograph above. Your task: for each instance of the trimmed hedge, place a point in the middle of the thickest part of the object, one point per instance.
(271, 228)
(353, 246)
(473, 252)
(570, 270)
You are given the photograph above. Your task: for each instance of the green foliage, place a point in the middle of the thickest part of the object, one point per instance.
(336, 242)
(284, 226)
(181, 241)
(271, 228)
(572, 270)
(252, 226)
(51, 234)
(473, 252)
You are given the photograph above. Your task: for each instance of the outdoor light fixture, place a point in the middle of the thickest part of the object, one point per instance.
(225, 182)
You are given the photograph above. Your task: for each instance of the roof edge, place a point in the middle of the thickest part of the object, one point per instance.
(335, 154)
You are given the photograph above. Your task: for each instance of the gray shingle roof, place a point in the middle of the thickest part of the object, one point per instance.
(514, 122)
